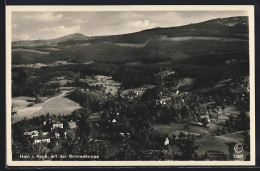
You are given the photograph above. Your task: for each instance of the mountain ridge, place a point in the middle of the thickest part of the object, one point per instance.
(221, 36)
(74, 36)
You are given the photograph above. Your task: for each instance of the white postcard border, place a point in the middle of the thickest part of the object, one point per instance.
(249, 8)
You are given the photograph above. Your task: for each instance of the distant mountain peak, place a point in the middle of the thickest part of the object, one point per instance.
(74, 36)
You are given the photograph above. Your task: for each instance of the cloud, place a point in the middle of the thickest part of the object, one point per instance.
(14, 25)
(79, 21)
(43, 16)
(60, 30)
(131, 15)
(22, 37)
(48, 24)
(142, 24)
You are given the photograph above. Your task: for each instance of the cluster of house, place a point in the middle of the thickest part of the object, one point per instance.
(37, 138)
(44, 137)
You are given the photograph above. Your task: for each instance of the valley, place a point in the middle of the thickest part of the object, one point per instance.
(178, 93)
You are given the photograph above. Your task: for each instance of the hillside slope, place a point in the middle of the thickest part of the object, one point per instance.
(75, 36)
(227, 37)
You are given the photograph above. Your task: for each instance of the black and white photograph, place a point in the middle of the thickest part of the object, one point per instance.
(130, 85)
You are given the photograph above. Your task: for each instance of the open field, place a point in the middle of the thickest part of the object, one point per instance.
(165, 129)
(84, 44)
(231, 110)
(27, 112)
(187, 38)
(29, 50)
(237, 90)
(133, 45)
(200, 129)
(58, 105)
(51, 49)
(55, 105)
(21, 102)
(212, 143)
(221, 143)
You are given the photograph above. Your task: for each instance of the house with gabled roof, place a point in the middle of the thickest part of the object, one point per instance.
(41, 139)
(31, 133)
(57, 124)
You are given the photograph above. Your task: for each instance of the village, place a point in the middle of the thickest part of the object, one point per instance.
(176, 114)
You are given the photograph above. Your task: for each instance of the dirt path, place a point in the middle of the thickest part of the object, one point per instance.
(44, 104)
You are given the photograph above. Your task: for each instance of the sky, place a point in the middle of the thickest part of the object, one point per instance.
(47, 25)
